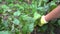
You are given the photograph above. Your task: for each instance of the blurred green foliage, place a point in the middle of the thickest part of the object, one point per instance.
(21, 16)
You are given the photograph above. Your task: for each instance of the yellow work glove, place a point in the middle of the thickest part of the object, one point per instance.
(42, 21)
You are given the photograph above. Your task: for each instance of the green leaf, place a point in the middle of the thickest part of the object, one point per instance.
(24, 29)
(58, 22)
(55, 0)
(52, 3)
(4, 6)
(28, 24)
(0, 0)
(1, 11)
(5, 32)
(17, 13)
(9, 1)
(17, 31)
(45, 0)
(21, 7)
(42, 10)
(36, 15)
(44, 28)
(5, 23)
(11, 5)
(16, 21)
(31, 27)
(0, 20)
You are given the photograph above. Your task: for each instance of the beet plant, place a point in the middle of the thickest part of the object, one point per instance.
(22, 16)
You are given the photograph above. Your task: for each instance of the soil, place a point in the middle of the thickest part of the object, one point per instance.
(56, 31)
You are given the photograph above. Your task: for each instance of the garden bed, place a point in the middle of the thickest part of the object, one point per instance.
(23, 16)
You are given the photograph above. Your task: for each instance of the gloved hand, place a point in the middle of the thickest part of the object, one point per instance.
(52, 15)
(42, 21)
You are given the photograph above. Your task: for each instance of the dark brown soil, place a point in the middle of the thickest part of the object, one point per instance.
(56, 31)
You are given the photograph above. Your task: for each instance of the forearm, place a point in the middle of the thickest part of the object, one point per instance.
(53, 14)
